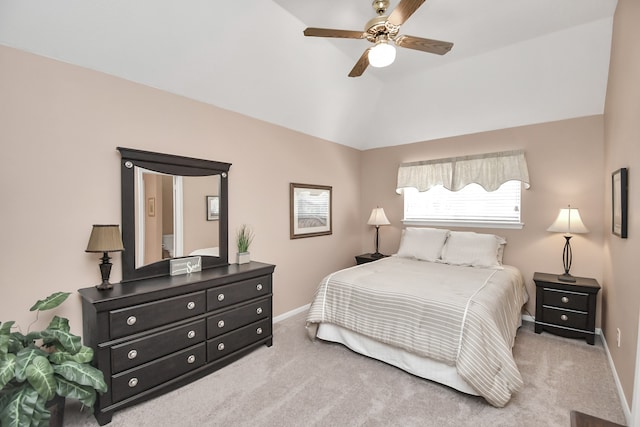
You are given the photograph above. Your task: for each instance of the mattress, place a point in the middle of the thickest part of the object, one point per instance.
(462, 317)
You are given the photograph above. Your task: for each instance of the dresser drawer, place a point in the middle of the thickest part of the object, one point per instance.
(138, 318)
(228, 343)
(571, 300)
(569, 319)
(144, 377)
(136, 352)
(224, 296)
(232, 319)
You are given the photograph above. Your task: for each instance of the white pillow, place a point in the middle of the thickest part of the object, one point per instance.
(422, 243)
(472, 249)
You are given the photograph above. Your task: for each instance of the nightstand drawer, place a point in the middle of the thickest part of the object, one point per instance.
(564, 299)
(566, 318)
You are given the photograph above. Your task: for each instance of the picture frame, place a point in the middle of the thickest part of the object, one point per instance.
(151, 206)
(619, 202)
(310, 209)
(213, 208)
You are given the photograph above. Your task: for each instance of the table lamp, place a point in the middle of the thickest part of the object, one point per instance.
(568, 222)
(377, 219)
(105, 239)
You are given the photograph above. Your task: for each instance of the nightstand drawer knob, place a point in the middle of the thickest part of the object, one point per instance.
(259, 287)
(131, 320)
(221, 324)
(220, 297)
(132, 354)
(564, 317)
(133, 382)
(564, 299)
(221, 346)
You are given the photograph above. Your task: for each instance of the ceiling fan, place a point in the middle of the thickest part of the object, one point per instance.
(382, 30)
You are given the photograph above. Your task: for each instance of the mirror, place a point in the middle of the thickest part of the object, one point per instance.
(172, 206)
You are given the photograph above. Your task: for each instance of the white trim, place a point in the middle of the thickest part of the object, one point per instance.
(623, 400)
(291, 313)
(484, 224)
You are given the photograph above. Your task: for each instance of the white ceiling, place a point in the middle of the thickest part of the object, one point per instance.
(514, 62)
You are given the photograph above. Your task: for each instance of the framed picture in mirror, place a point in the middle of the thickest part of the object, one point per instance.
(213, 208)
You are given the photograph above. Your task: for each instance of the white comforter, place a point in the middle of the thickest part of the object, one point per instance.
(463, 316)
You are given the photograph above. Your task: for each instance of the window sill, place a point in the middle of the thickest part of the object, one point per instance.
(468, 224)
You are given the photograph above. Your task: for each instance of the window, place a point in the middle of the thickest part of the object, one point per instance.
(471, 207)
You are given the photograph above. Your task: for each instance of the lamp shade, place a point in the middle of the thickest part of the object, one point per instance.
(568, 221)
(378, 218)
(105, 238)
(382, 54)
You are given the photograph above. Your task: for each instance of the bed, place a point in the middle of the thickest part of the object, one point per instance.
(444, 308)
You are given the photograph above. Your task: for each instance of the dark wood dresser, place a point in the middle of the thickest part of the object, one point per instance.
(567, 309)
(151, 336)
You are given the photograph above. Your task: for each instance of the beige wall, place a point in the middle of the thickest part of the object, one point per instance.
(622, 149)
(60, 126)
(565, 167)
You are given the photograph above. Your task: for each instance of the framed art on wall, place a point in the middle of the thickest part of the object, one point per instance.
(310, 210)
(619, 191)
(213, 208)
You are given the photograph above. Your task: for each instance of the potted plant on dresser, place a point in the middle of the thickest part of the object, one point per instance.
(244, 237)
(42, 367)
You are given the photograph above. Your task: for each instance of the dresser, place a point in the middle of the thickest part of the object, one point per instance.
(566, 308)
(154, 335)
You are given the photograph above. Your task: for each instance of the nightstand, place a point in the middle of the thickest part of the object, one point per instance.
(364, 258)
(566, 309)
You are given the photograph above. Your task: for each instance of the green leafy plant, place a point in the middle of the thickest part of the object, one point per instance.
(244, 238)
(36, 367)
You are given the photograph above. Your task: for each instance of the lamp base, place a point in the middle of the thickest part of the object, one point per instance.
(566, 277)
(105, 271)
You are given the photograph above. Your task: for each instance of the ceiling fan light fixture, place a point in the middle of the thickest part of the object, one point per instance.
(382, 54)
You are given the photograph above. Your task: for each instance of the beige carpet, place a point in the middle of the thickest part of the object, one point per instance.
(302, 383)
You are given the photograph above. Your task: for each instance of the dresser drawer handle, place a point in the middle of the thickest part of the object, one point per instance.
(191, 359)
(259, 287)
(564, 299)
(221, 346)
(221, 324)
(191, 305)
(259, 331)
(131, 320)
(259, 310)
(220, 297)
(133, 382)
(191, 334)
(564, 317)
(132, 354)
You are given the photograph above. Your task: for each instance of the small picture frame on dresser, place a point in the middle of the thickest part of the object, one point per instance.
(619, 202)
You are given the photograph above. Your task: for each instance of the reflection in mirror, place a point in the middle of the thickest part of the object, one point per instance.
(166, 212)
(171, 216)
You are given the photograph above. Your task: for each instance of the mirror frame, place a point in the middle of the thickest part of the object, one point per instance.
(174, 165)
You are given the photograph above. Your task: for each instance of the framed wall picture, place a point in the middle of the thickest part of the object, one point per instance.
(620, 202)
(213, 208)
(310, 210)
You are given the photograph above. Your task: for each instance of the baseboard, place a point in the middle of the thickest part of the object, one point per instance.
(291, 313)
(621, 396)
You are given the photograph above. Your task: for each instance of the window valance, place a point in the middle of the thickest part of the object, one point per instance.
(488, 170)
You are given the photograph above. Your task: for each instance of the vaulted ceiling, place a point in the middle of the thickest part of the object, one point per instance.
(514, 62)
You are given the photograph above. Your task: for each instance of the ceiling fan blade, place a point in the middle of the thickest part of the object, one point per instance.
(404, 10)
(361, 65)
(326, 32)
(426, 45)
